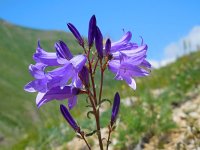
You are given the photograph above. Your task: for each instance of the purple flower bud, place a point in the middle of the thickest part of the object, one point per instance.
(84, 76)
(75, 32)
(99, 42)
(91, 30)
(115, 108)
(63, 51)
(69, 118)
(108, 47)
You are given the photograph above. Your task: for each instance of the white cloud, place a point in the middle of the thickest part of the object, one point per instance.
(158, 64)
(184, 45)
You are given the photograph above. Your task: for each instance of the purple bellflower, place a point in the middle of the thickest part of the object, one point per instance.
(69, 118)
(52, 84)
(58, 93)
(71, 75)
(47, 58)
(69, 68)
(41, 79)
(128, 60)
(115, 109)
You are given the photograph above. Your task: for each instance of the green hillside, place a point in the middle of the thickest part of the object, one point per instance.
(19, 117)
(22, 125)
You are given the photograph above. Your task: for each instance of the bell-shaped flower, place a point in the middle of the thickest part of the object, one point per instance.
(41, 79)
(126, 68)
(128, 60)
(123, 43)
(47, 58)
(59, 93)
(69, 118)
(55, 83)
(68, 69)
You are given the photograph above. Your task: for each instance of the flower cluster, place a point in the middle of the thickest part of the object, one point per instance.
(74, 75)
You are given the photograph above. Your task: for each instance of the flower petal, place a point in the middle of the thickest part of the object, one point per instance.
(139, 51)
(119, 44)
(37, 70)
(47, 58)
(61, 76)
(131, 82)
(76, 81)
(78, 62)
(114, 65)
(72, 101)
(57, 93)
(39, 85)
(63, 51)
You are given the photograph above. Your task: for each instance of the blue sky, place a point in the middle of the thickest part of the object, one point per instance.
(158, 22)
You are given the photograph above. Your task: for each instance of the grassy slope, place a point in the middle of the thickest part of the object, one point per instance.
(23, 125)
(19, 117)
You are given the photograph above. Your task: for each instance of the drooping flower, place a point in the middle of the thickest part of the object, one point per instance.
(61, 79)
(58, 93)
(91, 31)
(128, 60)
(41, 79)
(69, 70)
(76, 33)
(115, 109)
(47, 58)
(123, 43)
(69, 118)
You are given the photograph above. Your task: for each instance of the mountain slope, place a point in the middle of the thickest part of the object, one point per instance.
(18, 113)
(22, 125)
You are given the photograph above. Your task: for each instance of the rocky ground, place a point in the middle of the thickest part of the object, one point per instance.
(187, 135)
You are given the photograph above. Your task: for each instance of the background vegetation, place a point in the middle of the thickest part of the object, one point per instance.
(144, 112)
